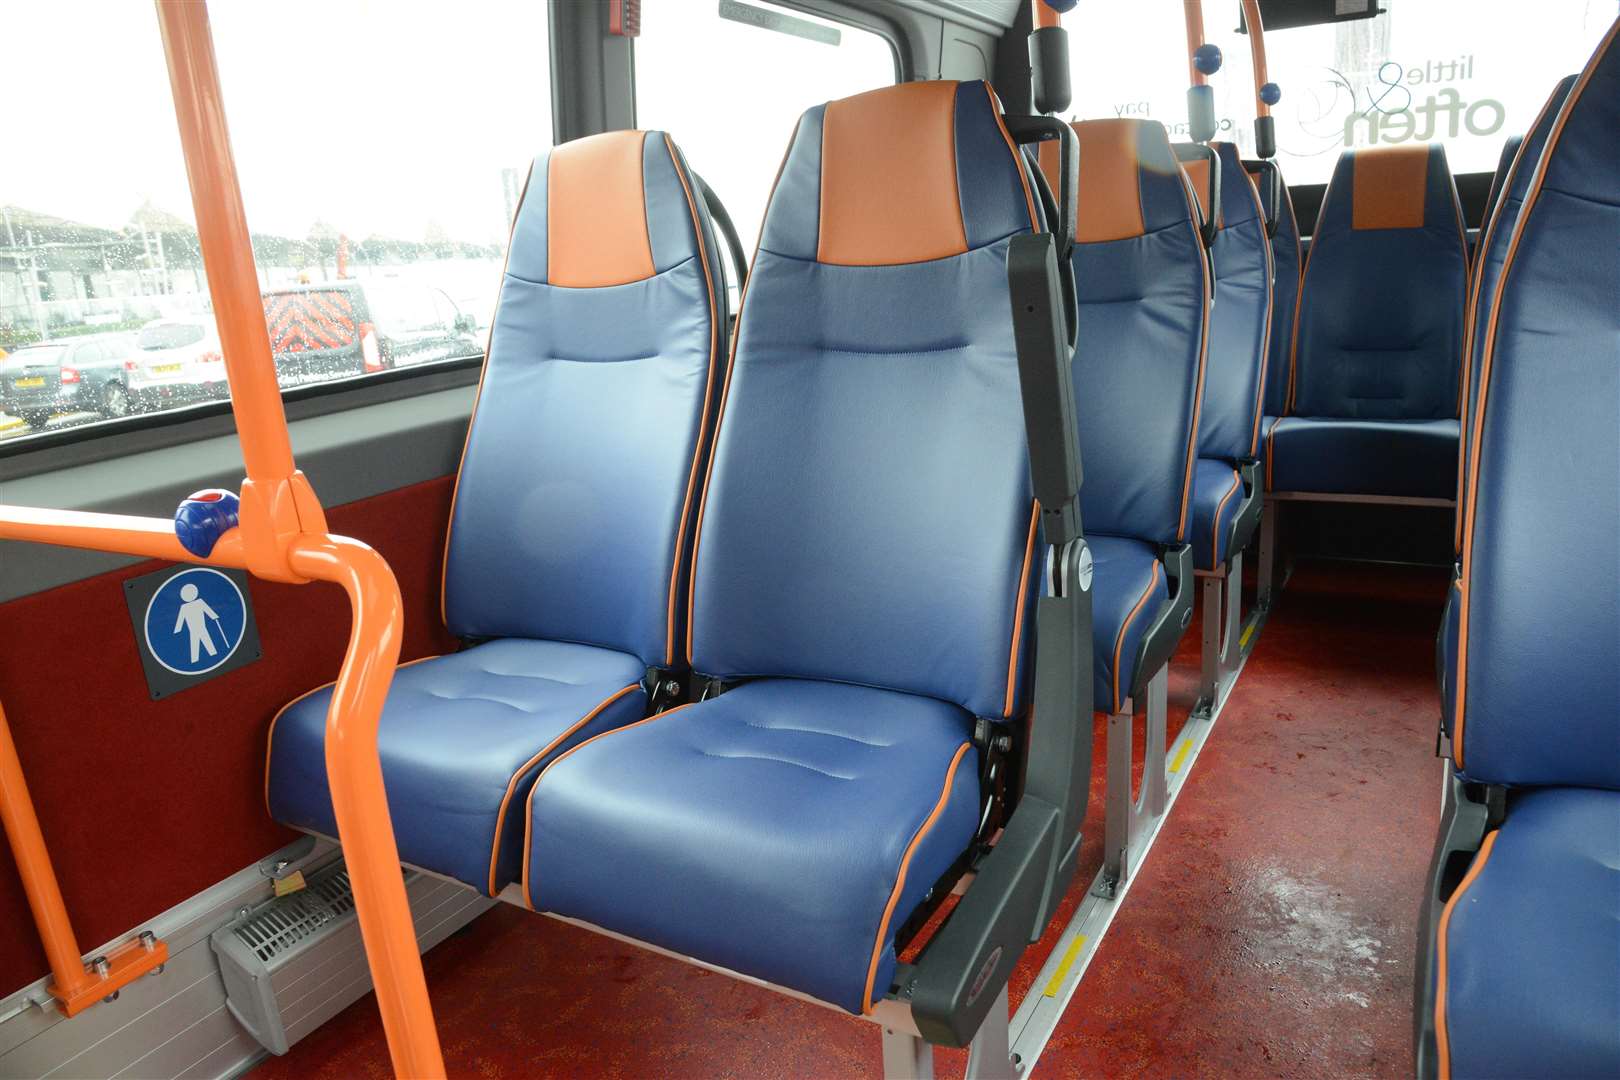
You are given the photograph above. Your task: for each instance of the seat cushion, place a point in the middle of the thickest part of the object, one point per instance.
(462, 737)
(1128, 589)
(1408, 458)
(784, 830)
(1529, 983)
(1217, 494)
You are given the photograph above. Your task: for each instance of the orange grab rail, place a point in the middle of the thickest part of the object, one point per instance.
(1257, 50)
(281, 537)
(1194, 11)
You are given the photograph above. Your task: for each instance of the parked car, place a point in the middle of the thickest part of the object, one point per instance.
(343, 328)
(177, 362)
(82, 374)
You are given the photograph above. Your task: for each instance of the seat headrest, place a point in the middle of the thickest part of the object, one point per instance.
(604, 210)
(905, 174)
(1130, 181)
(1391, 187)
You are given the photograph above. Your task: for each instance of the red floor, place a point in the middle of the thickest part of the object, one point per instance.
(1271, 931)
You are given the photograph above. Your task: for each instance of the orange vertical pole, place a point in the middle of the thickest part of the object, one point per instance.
(38, 878)
(284, 538)
(1257, 50)
(1045, 14)
(1194, 10)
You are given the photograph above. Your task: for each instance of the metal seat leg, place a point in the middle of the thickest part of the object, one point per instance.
(1128, 819)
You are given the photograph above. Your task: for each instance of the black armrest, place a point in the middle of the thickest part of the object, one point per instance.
(1211, 222)
(1022, 880)
(1248, 513)
(1268, 178)
(1047, 383)
(1164, 633)
(1019, 883)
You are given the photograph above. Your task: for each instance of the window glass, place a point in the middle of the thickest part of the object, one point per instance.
(1465, 75)
(728, 78)
(381, 147)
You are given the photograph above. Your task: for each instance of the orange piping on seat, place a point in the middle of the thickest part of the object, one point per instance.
(478, 396)
(867, 1003)
(1299, 304)
(1018, 609)
(1471, 310)
(915, 215)
(596, 212)
(708, 395)
(1487, 358)
(720, 413)
(500, 816)
(1442, 1039)
(1215, 528)
(270, 736)
(1119, 642)
(1389, 188)
(1271, 447)
(528, 803)
(1198, 395)
(1265, 337)
(1012, 148)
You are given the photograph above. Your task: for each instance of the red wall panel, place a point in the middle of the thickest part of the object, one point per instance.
(144, 803)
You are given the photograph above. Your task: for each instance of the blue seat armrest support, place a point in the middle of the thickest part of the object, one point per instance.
(1470, 811)
(1021, 880)
(1172, 620)
(1248, 512)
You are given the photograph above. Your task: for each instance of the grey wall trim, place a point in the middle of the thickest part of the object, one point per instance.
(348, 455)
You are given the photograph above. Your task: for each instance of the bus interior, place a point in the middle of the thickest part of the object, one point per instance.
(810, 538)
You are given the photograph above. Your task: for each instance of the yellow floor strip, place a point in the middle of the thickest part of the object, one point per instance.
(1248, 632)
(1181, 756)
(1056, 981)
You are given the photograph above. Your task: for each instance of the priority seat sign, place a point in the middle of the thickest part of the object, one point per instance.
(192, 624)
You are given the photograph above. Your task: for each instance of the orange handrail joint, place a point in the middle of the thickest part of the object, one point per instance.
(282, 536)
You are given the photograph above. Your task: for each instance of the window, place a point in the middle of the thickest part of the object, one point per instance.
(380, 148)
(1466, 75)
(728, 78)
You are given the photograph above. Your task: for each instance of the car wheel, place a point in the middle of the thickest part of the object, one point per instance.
(115, 401)
(36, 420)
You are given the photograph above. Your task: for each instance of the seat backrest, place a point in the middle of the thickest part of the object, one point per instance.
(1286, 260)
(1493, 243)
(1143, 292)
(1504, 164)
(1239, 321)
(578, 482)
(868, 517)
(1538, 657)
(1379, 332)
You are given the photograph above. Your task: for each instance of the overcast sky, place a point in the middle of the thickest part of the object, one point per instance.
(383, 116)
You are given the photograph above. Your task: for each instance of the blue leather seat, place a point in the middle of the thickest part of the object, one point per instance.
(1377, 347)
(1524, 979)
(1286, 261)
(1143, 292)
(1533, 943)
(1492, 251)
(1239, 327)
(573, 510)
(860, 581)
